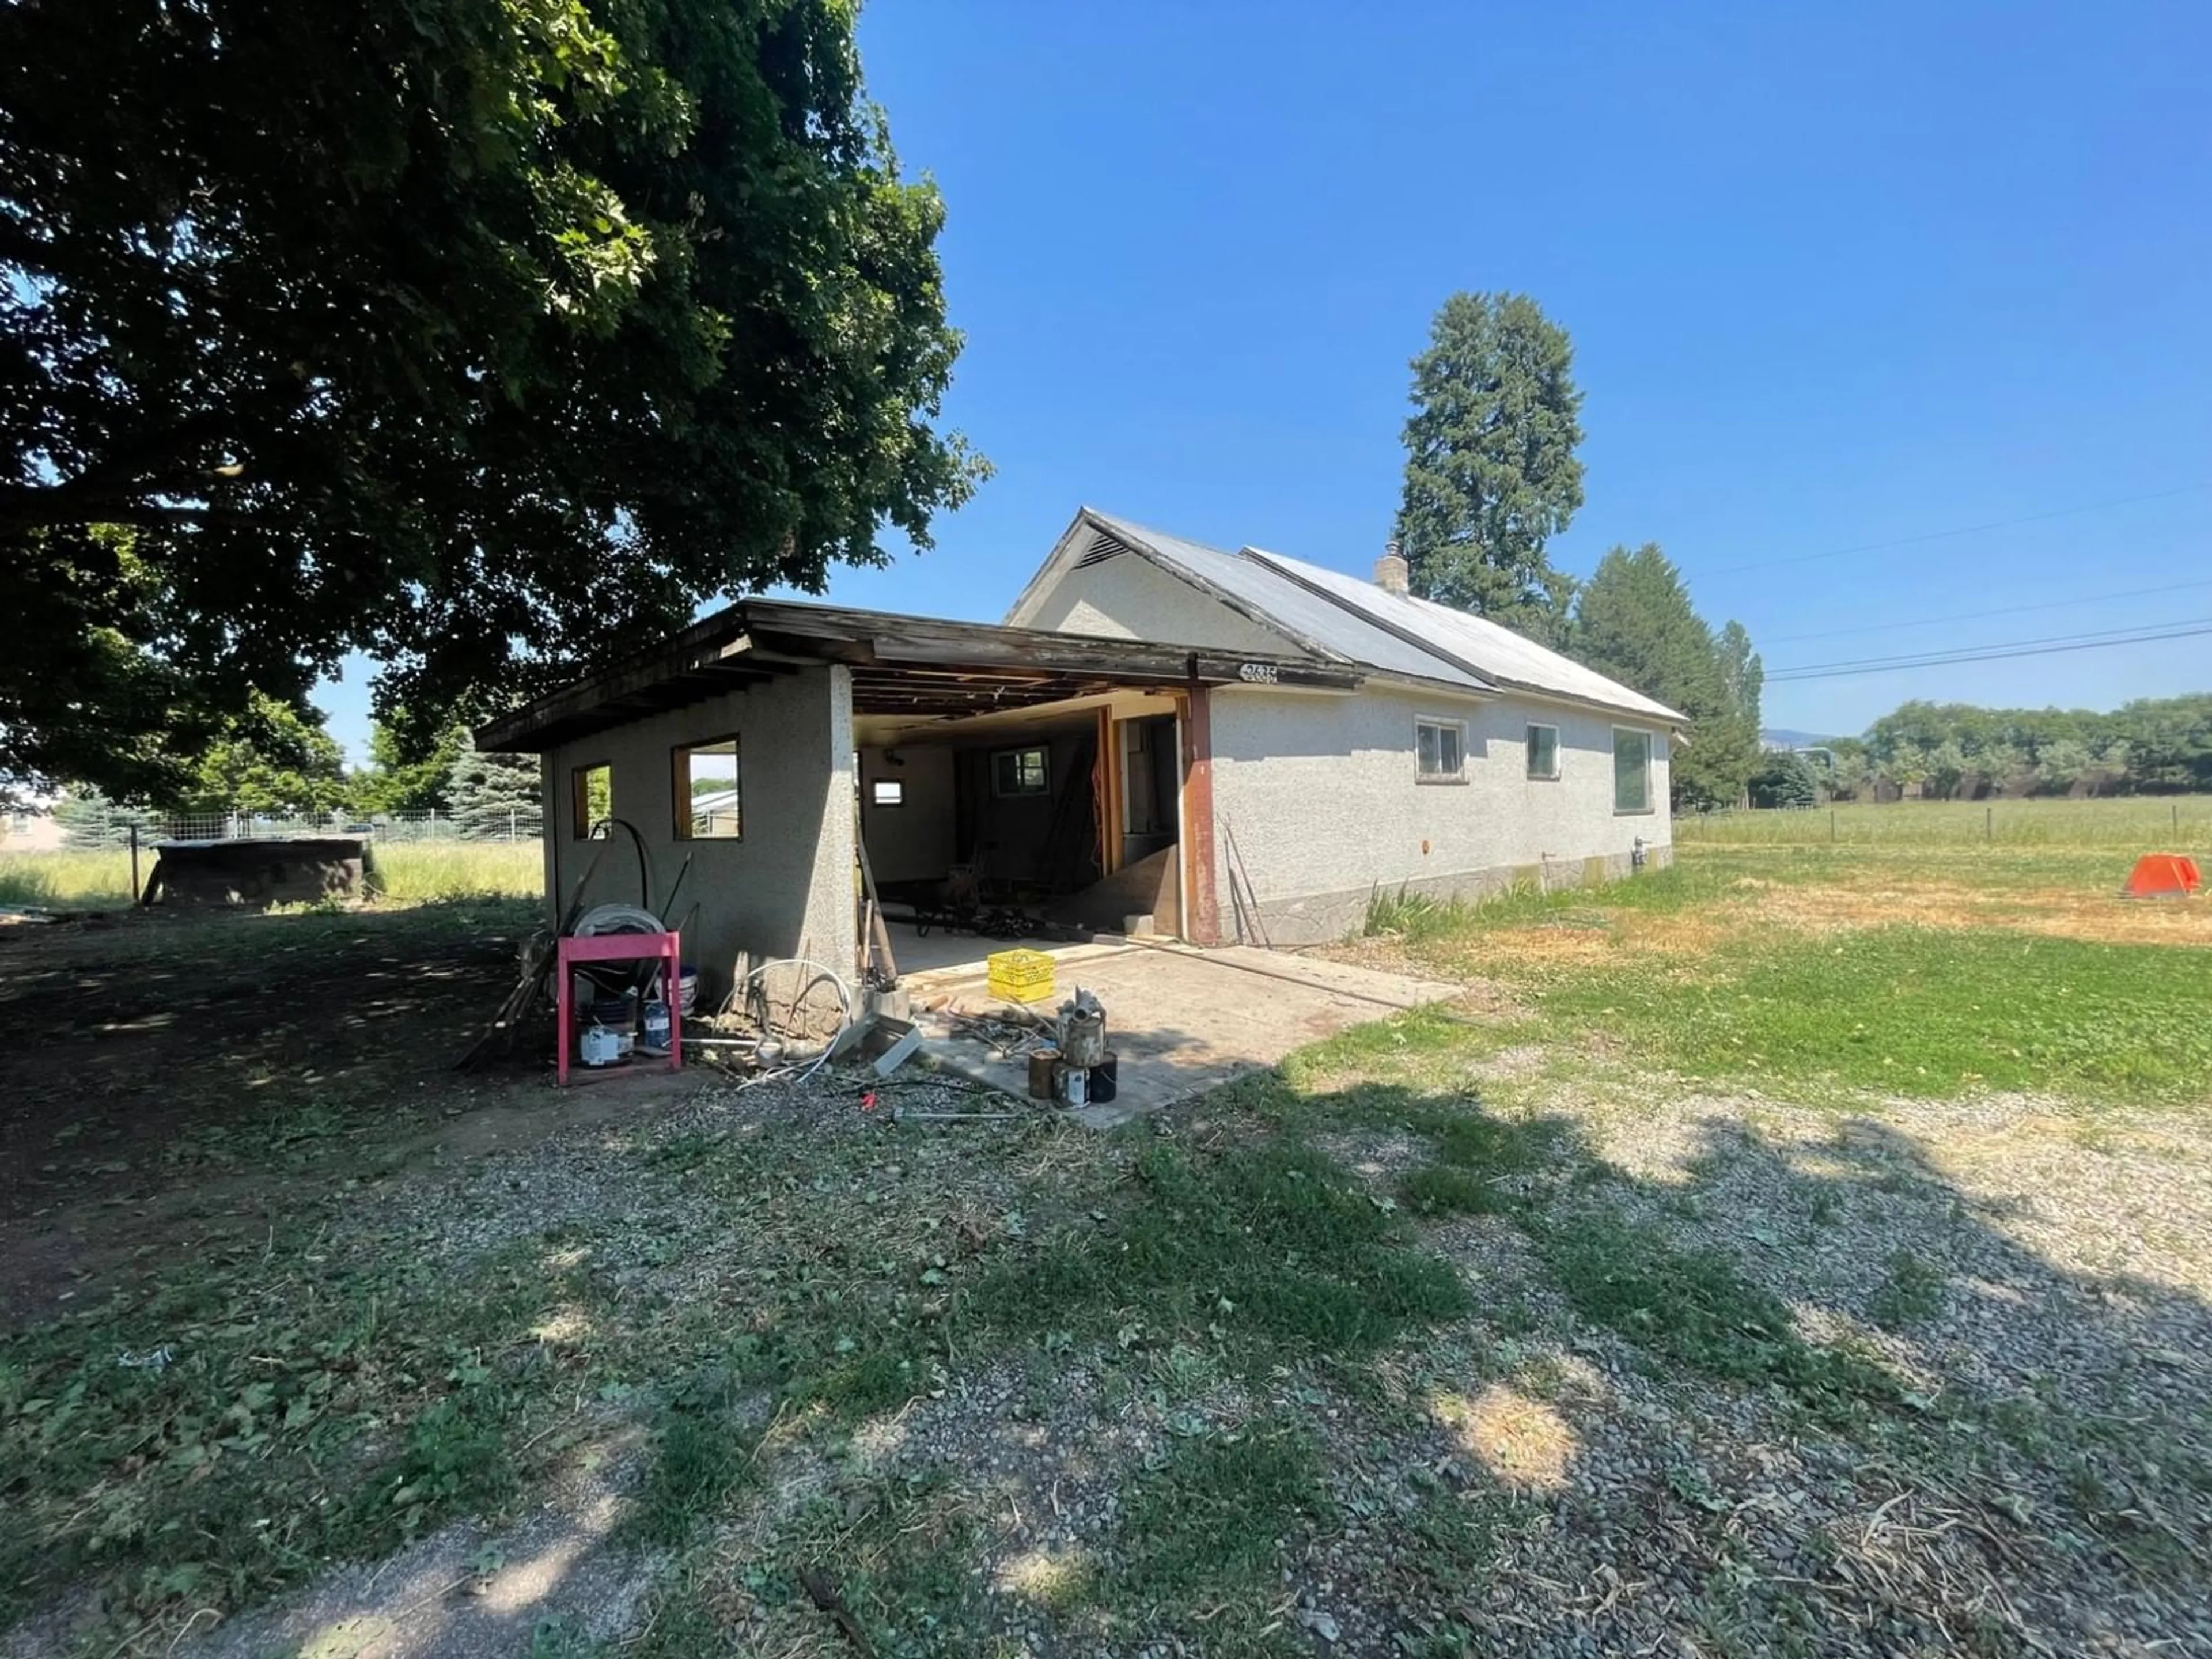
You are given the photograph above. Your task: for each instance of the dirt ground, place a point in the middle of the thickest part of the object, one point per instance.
(174, 1080)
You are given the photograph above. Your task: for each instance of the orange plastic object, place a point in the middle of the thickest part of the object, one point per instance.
(2163, 875)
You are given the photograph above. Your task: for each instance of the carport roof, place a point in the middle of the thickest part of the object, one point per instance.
(915, 666)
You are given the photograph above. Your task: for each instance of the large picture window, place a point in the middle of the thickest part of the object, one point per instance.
(707, 792)
(1440, 751)
(1631, 770)
(1022, 771)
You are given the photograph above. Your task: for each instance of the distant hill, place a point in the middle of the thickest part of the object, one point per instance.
(1780, 737)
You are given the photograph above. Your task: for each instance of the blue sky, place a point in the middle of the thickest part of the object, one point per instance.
(1834, 277)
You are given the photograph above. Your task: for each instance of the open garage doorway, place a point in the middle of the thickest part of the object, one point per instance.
(1047, 822)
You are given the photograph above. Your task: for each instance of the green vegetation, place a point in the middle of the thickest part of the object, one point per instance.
(230, 463)
(1916, 1011)
(1911, 1292)
(2142, 823)
(407, 872)
(1490, 469)
(2152, 744)
(1634, 621)
(1273, 1252)
(1695, 1307)
(1204, 1522)
(1364, 1320)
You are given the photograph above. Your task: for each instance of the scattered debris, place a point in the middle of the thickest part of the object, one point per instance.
(150, 1359)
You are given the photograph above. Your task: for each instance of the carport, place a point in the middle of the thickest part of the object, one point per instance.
(1038, 780)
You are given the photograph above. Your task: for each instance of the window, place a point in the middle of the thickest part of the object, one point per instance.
(1543, 752)
(887, 792)
(591, 798)
(707, 792)
(1021, 772)
(1440, 747)
(1631, 770)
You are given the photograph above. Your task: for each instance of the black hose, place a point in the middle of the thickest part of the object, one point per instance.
(644, 885)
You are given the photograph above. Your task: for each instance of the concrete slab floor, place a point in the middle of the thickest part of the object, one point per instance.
(1179, 1020)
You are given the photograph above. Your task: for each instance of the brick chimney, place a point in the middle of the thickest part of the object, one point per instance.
(1392, 574)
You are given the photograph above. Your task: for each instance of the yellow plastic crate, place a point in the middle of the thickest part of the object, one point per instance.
(1020, 975)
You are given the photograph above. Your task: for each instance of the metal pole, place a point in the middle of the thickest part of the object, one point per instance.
(510, 823)
(1989, 823)
(1832, 825)
(135, 889)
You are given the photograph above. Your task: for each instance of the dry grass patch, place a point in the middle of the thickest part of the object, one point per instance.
(1523, 1442)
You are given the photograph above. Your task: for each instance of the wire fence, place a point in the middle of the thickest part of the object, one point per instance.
(2144, 823)
(85, 825)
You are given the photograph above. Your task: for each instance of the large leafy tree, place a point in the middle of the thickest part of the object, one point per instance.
(393, 783)
(1634, 621)
(1491, 470)
(479, 335)
(270, 759)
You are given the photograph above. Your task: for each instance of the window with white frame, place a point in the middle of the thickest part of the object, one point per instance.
(1440, 750)
(887, 792)
(1631, 770)
(1543, 750)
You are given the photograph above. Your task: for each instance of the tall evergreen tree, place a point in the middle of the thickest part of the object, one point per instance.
(493, 796)
(1491, 470)
(1634, 622)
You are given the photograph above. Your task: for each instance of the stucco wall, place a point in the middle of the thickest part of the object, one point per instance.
(913, 841)
(1322, 798)
(1129, 597)
(786, 887)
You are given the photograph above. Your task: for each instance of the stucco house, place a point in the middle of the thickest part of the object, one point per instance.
(1236, 745)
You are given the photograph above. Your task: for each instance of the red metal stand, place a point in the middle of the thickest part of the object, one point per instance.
(621, 947)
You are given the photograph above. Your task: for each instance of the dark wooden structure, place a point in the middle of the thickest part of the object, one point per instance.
(253, 874)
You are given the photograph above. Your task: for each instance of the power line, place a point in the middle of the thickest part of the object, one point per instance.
(2053, 646)
(1980, 615)
(1966, 530)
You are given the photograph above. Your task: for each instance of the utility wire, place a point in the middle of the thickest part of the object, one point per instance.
(2057, 644)
(1966, 530)
(1979, 615)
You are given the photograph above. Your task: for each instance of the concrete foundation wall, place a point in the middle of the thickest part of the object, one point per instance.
(1129, 597)
(913, 841)
(1322, 800)
(786, 887)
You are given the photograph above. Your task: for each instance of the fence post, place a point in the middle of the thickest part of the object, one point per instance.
(1989, 823)
(510, 823)
(135, 889)
(2175, 807)
(1831, 826)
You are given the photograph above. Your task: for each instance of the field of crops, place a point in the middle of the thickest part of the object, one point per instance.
(409, 872)
(2169, 824)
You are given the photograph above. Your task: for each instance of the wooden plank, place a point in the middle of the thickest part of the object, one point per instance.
(1203, 907)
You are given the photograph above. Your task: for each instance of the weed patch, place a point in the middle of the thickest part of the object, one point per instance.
(1267, 1248)
(1205, 1522)
(1694, 1307)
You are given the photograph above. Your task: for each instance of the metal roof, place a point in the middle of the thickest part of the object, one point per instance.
(1318, 622)
(1497, 654)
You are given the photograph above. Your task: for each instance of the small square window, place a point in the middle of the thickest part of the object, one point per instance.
(591, 798)
(1021, 772)
(887, 792)
(707, 792)
(1543, 752)
(1631, 770)
(1440, 751)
